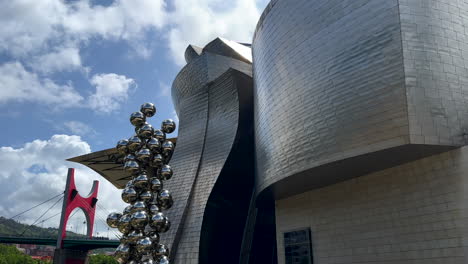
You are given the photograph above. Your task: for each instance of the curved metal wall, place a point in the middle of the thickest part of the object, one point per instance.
(343, 88)
(329, 84)
(205, 94)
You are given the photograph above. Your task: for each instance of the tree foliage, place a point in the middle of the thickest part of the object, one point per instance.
(11, 255)
(102, 259)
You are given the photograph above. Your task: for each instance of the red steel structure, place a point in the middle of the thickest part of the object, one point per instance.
(72, 200)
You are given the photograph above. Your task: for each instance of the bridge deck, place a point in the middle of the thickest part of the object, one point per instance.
(67, 243)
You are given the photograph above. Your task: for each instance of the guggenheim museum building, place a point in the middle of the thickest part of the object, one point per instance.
(337, 136)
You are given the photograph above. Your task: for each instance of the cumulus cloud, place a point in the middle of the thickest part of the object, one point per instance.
(199, 21)
(63, 59)
(111, 91)
(18, 84)
(37, 171)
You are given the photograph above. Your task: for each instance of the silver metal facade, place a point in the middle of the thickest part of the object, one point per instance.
(346, 87)
(206, 94)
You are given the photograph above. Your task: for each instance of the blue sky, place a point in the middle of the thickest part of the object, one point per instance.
(72, 71)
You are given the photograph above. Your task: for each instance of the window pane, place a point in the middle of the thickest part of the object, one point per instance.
(297, 247)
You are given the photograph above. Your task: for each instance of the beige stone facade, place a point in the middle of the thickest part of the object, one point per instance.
(413, 213)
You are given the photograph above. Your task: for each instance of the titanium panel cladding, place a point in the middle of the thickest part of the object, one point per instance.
(329, 84)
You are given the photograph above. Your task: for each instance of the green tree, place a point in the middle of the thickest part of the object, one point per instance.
(11, 255)
(100, 259)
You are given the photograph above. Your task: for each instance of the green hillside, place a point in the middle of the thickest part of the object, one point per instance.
(10, 227)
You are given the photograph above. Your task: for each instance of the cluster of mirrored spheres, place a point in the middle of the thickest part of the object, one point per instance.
(146, 155)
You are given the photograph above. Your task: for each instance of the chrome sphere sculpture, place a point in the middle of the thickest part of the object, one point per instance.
(145, 158)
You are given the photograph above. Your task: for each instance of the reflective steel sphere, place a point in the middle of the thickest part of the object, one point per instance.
(148, 261)
(148, 109)
(141, 181)
(134, 143)
(154, 145)
(154, 236)
(139, 219)
(144, 245)
(165, 173)
(124, 239)
(161, 136)
(168, 126)
(146, 196)
(113, 219)
(137, 119)
(122, 253)
(167, 147)
(124, 223)
(132, 262)
(129, 157)
(132, 167)
(143, 155)
(146, 131)
(129, 195)
(156, 185)
(134, 236)
(163, 260)
(122, 146)
(165, 200)
(158, 222)
(157, 161)
(128, 209)
(153, 209)
(138, 206)
(161, 251)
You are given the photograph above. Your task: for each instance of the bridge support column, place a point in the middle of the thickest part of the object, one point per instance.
(71, 201)
(70, 256)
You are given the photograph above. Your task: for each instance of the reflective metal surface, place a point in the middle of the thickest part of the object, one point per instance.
(141, 181)
(139, 219)
(168, 126)
(137, 119)
(144, 245)
(145, 131)
(113, 219)
(165, 172)
(148, 109)
(143, 155)
(124, 223)
(160, 135)
(122, 146)
(129, 195)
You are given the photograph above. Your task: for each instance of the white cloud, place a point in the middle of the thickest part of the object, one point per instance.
(37, 171)
(79, 128)
(64, 59)
(111, 91)
(164, 89)
(17, 84)
(200, 21)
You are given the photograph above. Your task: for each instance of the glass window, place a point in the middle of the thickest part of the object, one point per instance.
(297, 247)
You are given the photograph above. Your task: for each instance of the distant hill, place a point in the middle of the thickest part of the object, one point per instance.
(10, 227)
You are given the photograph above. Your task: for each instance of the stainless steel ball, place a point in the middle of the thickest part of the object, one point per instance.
(144, 245)
(167, 147)
(124, 223)
(134, 236)
(129, 195)
(113, 219)
(156, 185)
(141, 181)
(138, 206)
(137, 118)
(158, 222)
(148, 261)
(161, 250)
(165, 200)
(163, 260)
(122, 253)
(143, 155)
(122, 146)
(131, 167)
(148, 109)
(128, 209)
(124, 239)
(146, 196)
(139, 219)
(159, 134)
(157, 161)
(134, 143)
(129, 157)
(153, 209)
(154, 145)
(168, 126)
(146, 131)
(154, 236)
(165, 173)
